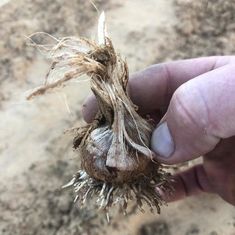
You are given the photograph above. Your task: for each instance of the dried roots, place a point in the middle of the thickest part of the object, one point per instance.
(142, 191)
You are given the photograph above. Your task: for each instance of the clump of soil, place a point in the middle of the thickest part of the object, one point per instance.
(193, 230)
(155, 227)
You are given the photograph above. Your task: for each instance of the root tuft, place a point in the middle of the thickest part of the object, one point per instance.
(105, 195)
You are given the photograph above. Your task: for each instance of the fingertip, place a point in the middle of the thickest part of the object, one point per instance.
(89, 108)
(161, 141)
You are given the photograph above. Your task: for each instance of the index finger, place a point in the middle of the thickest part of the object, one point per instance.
(152, 88)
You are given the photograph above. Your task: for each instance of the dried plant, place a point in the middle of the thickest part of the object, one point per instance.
(116, 161)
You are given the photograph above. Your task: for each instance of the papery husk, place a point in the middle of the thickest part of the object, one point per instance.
(116, 161)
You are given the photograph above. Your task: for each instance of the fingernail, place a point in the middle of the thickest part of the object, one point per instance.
(162, 142)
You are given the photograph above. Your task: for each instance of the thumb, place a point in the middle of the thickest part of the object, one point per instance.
(200, 113)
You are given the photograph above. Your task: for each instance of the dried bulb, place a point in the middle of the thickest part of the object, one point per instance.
(116, 160)
(102, 158)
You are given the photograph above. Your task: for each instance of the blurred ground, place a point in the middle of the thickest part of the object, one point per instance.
(36, 158)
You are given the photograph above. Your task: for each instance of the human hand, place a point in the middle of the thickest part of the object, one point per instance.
(194, 100)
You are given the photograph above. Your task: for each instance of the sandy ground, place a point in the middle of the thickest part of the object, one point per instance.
(37, 158)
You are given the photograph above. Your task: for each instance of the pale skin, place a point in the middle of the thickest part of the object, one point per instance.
(194, 100)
